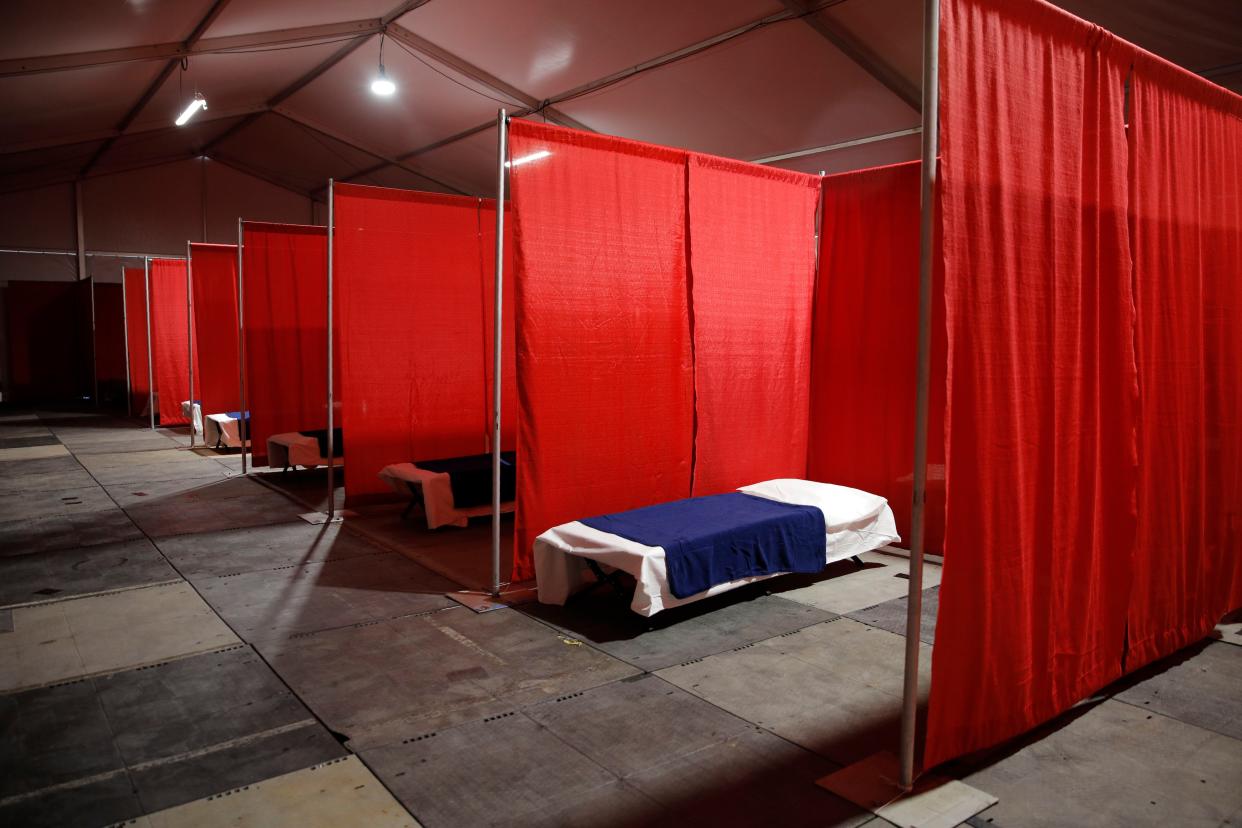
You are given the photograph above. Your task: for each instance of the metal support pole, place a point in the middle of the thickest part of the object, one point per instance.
(502, 147)
(242, 425)
(331, 419)
(189, 325)
(927, 240)
(129, 382)
(95, 345)
(146, 280)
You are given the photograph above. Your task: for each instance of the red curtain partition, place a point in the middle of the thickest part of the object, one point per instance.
(487, 272)
(865, 345)
(135, 286)
(409, 297)
(285, 316)
(170, 336)
(1187, 199)
(752, 265)
(110, 365)
(1041, 457)
(604, 341)
(47, 340)
(213, 275)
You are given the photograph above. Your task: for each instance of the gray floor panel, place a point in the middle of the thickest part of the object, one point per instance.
(891, 615)
(636, 724)
(102, 802)
(65, 572)
(230, 503)
(27, 504)
(277, 603)
(1200, 688)
(30, 440)
(42, 534)
(193, 703)
(671, 637)
(51, 481)
(23, 469)
(504, 771)
(52, 736)
(402, 677)
(752, 778)
(194, 777)
(212, 554)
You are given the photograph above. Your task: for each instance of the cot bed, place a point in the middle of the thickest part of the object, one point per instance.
(192, 410)
(453, 490)
(223, 430)
(305, 448)
(710, 545)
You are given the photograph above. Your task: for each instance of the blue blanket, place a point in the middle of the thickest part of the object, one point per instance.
(722, 538)
(470, 478)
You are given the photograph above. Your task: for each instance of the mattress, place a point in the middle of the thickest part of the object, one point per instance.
(856, 522)
(294, 449)
(437, 493)
(222, 430)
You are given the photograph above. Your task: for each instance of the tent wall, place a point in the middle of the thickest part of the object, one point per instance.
(170, 337)
(1186, 193)
(110, 364)
(135, 288)
(213, 269)
(49, 347)
(285, 318)
(864, 353)
(409, 271)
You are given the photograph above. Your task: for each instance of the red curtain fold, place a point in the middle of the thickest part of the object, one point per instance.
(865, 346)
(1041, 456)
(48, 341)
(487, 272)
(170, 337)
(213, 277)
(110, 367)
(135, 286)
(606, 397)
(409, 297)
(285, 317)
(1186, 185)
(752, 266)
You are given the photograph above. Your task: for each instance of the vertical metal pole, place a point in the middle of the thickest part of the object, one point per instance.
(927, 240)
(502, 147)
(243, 423)
(129, 381)
(189, 325)
(95, 347)
(146, 280)
(331, 419)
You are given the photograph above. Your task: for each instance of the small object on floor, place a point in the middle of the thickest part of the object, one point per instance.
(935, 801)
(481, 601)
(318, 518)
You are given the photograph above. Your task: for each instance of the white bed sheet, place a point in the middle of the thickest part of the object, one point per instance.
(221, 429)
(293, 449)
(437, 495)
(194, 414)
(561, 553)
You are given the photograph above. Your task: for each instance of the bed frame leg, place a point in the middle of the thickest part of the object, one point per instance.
(858, 561)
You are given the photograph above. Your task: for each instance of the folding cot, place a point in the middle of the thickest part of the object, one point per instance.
(305, 448)
(699, 543)
(453, 490)
(223, 430)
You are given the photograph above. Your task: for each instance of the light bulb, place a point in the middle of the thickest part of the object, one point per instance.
(198, 103)
(382, 85)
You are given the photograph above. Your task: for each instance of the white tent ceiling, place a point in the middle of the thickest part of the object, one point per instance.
(89, 87)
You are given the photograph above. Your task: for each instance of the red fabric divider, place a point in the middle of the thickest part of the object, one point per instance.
(170, 337)
(409, 299)
(47, 341)
(605, 382)
(135, 286)
(487, 272)
(865, 346)
(1041, 456)
(285, 317)
(213, 275)
(752, 266)
(110, 367)
(1186, 185)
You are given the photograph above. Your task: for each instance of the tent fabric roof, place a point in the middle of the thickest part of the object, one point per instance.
(90, 88)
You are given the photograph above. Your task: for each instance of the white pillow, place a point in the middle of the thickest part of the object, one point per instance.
(842, 506)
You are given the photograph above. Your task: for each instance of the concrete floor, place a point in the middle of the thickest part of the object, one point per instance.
(177, 647)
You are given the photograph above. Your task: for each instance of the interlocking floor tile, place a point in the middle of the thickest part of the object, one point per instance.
(211, 554)
(891, 615)
(844, 587)
(43, 534)
(1198, 686)
(64, 573)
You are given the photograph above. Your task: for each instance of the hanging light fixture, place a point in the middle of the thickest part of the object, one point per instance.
(382, 86)
(199, 102)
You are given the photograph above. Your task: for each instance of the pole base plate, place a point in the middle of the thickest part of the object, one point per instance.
(934, 802)
(318, 518)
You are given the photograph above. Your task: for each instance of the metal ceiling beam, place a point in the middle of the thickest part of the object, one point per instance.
(859, 52)
(69, 178)
(212, 14)
(267, 178)
(840, 145)
(103, 134)
(388, 160)
(306, 79)
(177, 51)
